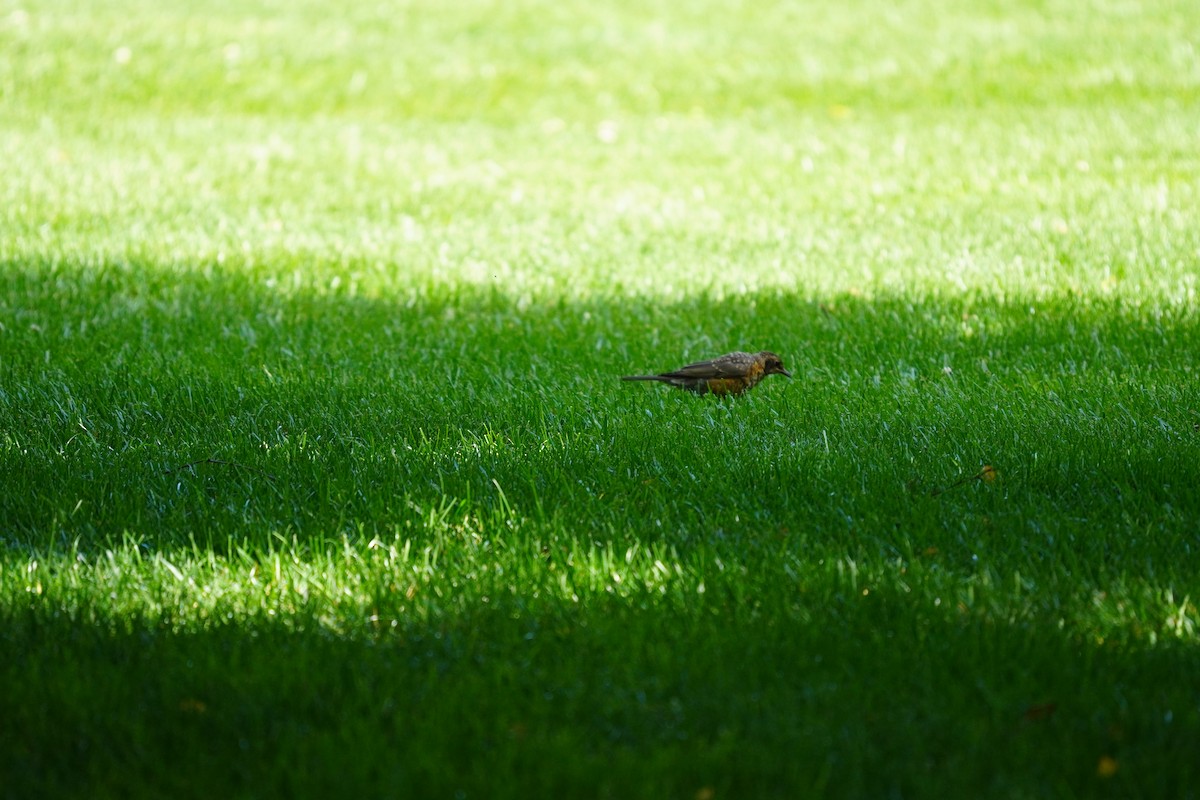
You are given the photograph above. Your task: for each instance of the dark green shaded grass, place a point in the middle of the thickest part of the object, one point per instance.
(838, 691)
(324, 427)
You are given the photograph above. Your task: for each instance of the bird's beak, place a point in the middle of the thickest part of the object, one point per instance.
(783, 371)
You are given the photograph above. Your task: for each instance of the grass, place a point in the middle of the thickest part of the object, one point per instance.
(316, 477)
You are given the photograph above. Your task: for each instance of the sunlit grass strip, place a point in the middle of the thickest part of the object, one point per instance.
(355, 589)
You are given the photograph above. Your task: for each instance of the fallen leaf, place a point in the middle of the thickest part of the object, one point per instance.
(1040, 712)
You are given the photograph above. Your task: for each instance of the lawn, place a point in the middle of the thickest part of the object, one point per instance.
(317, 477)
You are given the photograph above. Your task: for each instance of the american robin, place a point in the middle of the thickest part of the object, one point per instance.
(730, 374)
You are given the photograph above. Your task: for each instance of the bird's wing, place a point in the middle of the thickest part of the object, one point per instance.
(731, 365)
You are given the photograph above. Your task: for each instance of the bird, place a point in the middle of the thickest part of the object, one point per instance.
(732, 374)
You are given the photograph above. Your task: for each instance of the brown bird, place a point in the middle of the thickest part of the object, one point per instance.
(730, 374)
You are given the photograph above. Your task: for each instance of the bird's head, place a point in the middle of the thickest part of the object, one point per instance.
(773, 364)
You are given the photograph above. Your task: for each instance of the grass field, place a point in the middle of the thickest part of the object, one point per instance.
(317, 478)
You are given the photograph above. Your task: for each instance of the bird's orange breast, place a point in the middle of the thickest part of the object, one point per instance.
(724, 386)
(735, 386)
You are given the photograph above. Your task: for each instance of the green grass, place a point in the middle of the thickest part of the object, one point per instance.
(316, 477)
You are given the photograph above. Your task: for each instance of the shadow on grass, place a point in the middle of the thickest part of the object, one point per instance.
(176, 406)
(608, 701)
